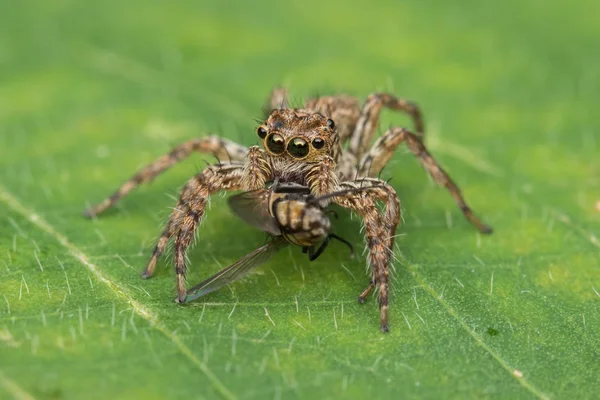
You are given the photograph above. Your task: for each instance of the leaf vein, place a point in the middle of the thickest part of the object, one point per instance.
(515, 373)
(11, 387)
(36, 220)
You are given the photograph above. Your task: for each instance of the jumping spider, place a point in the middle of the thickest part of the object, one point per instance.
(304, 146)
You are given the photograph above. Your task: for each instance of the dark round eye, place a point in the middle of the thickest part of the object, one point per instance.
(298, 147)
(318, 143)
(276, 144)
(262, 132)
(330, 124)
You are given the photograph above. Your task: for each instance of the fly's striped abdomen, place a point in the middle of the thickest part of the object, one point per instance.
(301, 223)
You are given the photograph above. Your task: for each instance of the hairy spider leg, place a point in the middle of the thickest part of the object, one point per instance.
(383, 149)
(191, 207)
(380, 228)
(369, 119)
(223, 149)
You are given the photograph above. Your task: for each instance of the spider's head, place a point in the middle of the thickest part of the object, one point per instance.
(298, 134)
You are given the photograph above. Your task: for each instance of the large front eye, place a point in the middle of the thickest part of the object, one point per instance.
(298, 147)
(276, 144)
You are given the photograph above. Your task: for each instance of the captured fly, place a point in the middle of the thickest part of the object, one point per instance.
(288, 212)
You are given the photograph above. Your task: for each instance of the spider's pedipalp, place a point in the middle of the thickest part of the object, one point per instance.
(256, 170)
(321, 178)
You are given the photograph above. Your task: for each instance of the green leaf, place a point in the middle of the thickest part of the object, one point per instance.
(91, 91)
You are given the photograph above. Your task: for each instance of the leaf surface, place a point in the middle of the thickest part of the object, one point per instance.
(91, 91)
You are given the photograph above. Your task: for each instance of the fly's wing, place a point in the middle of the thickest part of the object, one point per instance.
(237, 270)
(253, 208)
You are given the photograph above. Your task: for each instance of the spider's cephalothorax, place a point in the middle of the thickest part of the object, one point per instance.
(295, 141)
(325, 146)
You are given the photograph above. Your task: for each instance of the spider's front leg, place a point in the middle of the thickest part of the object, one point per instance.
(191, 206)
(380, 231)
(369, 119)
(384, 148)
(223, 149)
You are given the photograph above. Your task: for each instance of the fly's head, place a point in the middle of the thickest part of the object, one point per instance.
(298, 136)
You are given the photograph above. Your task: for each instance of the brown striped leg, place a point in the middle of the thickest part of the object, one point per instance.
(257, 170)
(162, 242)
(220, 177)
(380, 229)
(191, 207)
(223, 149)
(378, 190)
(346, 167)
(383, 150)
(369, 119)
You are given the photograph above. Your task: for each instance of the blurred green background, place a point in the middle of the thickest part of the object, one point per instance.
(91, 91)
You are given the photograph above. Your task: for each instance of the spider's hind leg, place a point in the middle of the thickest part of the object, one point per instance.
(278, 99)
(369, 119)
(386, 145)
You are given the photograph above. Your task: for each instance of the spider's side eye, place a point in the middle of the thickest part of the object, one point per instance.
(298, 147)
(276, 144)
(262, 132)
(330, 124)
(318, 143)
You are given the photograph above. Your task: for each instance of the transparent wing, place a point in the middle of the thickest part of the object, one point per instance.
(253, 208)
(237, 270)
